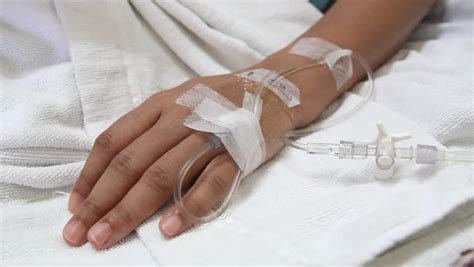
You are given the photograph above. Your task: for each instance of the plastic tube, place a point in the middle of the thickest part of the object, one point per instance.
(426, 154)
(326, 123)
(213, 142)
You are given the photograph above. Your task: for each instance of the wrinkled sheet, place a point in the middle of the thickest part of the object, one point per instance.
(83, 64)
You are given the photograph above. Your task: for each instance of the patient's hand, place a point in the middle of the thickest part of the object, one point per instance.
(132, 167)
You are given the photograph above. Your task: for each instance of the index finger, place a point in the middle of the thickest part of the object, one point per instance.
(109, 143)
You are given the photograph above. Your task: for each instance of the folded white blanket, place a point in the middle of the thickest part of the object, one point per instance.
(42, 138)
(438, 245)
(299, 209)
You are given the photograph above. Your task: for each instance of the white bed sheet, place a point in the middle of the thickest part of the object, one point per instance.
(298, 209)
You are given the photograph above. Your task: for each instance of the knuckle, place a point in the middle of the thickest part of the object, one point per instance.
(123, 164)
(176, 116)
(153, 99)
(156, 98)
(86, 180)
(181, 113)
(162, 97)
(122, 215)
(195, 206)
(90, 206)
(159, 180)
(216, 184)
(105, 141)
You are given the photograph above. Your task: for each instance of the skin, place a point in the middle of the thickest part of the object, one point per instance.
(130, 172)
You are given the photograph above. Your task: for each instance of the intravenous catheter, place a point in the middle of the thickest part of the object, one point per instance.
(382, 148)
(385, 152)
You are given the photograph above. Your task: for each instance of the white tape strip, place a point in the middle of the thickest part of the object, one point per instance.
(237, 128)
(316, 49)
(282, 87)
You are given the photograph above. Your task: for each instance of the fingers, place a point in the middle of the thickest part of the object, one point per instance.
(109, 143)
(122, 173)
(211, 187)
(152, 190)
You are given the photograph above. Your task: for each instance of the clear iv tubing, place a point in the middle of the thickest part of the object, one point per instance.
(214, 142)
(323, 148)
(422, 154)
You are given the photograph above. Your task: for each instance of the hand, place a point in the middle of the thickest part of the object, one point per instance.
(132, 167)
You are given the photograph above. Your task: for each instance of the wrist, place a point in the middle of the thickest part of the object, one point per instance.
(316, 85)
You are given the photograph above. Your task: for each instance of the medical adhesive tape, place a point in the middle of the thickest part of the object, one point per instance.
(279, 85)
(316, 49)
(237, 128)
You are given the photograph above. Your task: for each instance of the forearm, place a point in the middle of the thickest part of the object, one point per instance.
(131, 170)
(373, 28)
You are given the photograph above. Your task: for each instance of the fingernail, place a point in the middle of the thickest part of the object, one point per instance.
(75, 232)
(75, 200)
(100, 233)
(171, 225)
